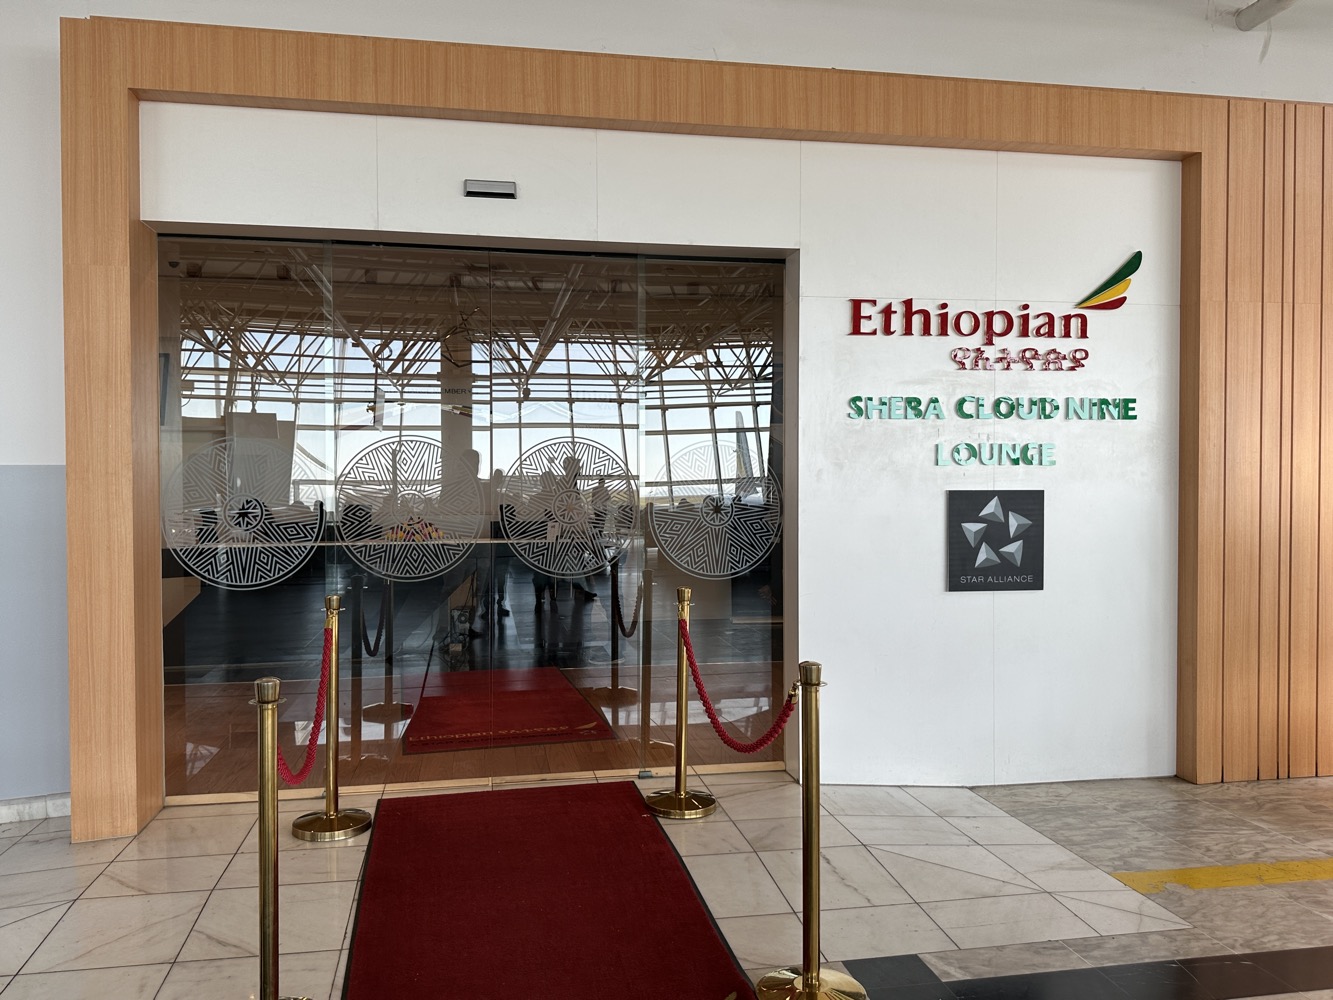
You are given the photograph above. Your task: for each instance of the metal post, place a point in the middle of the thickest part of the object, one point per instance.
(333, 823)
(387, 712)
(809, 981)
(680, 802)
(266, 698)
(615, 609)
(615, 696)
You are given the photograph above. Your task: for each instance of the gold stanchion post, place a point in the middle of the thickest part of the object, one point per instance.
(809, 981)
(680, 802)
(333, 823)
(266, 697)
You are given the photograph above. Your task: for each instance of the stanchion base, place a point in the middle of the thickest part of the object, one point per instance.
(341, 825)
(787, 984)
(670, 805)
(618, 697)
(386, 714)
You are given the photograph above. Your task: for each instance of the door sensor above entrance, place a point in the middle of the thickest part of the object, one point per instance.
(490, 189)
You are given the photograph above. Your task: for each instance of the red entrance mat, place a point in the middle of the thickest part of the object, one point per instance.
(561, 893)
(502, 708)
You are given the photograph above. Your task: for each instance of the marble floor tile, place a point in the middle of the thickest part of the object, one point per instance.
(211, 809)
(981, 923)
(22, 929)
(1151, 946)
(1054, 868)
(736, 885)
(339, 972)
(886, 831)
(1004, 960)
(1248, 918)
(133, 878)
(723, 778)
(53, 824)
(122, 930)
(765, 942)
(53, 886)
(767, 801)
(295, 867)
(305, 974)
(7, 842)
(44, 851)
(953, 801)
(935, 873)
(1119, 911)
(707, 838)
(873, 931)
(314, 918)
(18, 828)
(1233, 849)
(134, 982)
(868, 800)
(188, 836)
(287, 842)
(848, 876)
(785, 834)
(997, 830)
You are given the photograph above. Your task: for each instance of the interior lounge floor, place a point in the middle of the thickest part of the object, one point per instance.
(995, 893)
(209, 730)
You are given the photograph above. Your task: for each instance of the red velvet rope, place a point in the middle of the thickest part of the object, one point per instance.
(285, 772)
(722, 734)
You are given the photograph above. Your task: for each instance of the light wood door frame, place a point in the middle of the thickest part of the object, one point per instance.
(108, 65)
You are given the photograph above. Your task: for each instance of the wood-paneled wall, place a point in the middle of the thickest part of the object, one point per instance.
(1255, 661)
(1278, 663)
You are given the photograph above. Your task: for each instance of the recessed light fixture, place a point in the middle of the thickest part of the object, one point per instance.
(490, 189)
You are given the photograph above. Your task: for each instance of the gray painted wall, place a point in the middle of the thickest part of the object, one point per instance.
(34, 701)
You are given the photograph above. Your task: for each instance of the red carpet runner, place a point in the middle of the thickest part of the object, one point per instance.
(502, 708)
(565, 893)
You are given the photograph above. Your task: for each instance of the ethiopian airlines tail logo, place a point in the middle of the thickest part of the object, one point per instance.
(1110, 294)
(1028, 330)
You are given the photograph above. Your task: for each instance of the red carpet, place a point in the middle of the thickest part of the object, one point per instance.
(502, 708)
(565, 893)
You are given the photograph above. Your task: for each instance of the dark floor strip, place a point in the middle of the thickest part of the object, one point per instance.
(1221, 977)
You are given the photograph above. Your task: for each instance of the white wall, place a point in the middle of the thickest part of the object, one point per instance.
(1184, 45)
(1077, 681)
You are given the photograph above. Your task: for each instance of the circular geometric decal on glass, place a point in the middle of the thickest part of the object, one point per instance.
(569, 507)
(406, 511)
(229, 517)
(711, 526)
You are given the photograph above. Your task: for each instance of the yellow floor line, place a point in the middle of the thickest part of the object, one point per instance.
(1220, 876)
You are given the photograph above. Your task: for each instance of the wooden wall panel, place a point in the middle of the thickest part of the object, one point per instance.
(1324, 246)
(1243, 394)
(1203, 276)
(1253, 464)
(1307, 270)
(1271, 690)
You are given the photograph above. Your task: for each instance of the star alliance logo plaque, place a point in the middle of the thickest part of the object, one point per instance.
(996, 539)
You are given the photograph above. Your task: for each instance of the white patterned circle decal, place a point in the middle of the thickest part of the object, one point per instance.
(407, 511)
(569, 507)
(231, 515)
(713, 523)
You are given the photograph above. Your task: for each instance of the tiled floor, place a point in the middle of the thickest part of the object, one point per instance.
(993, 893)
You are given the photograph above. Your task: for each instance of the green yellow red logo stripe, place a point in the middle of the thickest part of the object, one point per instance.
(1110, 294)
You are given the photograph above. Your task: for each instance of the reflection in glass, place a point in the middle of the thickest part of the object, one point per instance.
(506, 463)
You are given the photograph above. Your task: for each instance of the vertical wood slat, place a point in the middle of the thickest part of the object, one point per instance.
(1307, 225)
(1323, 248)
(1271, 698)
(1202, 482)
(1244, 324)
(1284, 503)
